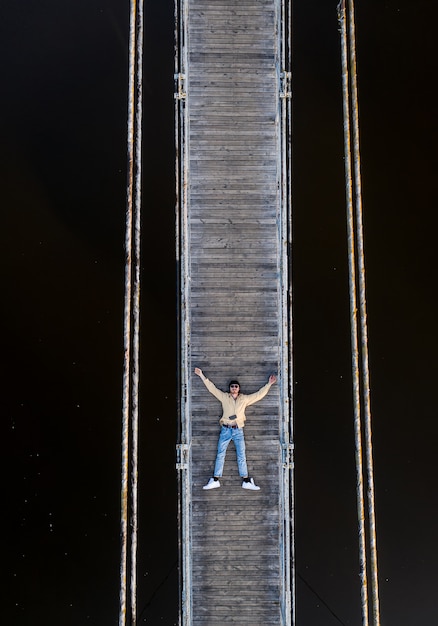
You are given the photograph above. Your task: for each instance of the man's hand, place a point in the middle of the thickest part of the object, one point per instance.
(198, 371)
(272, 379)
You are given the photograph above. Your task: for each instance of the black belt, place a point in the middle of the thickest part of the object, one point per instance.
(230, 425)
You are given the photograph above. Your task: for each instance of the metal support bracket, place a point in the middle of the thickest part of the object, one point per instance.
(288, 455)
(285, 86)
(182, 456)
(180, 92)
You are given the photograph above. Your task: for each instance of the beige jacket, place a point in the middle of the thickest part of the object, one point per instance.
(231, 406)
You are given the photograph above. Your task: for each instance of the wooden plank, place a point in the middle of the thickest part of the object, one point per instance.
(234, 287)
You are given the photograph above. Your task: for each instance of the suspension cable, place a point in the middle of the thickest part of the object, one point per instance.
(353, 318)
(286, 60)
(129, 466)
(363, 320)
(361, 392)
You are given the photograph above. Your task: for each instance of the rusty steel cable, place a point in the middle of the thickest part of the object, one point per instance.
(360, 363)
(363, 325)
(129, 465)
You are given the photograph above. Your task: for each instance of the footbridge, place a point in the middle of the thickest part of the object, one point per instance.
(232, 114)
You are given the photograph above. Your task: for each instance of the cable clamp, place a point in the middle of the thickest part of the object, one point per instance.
(180, 92)
(288, 455)
(285, 85)
(182, 456)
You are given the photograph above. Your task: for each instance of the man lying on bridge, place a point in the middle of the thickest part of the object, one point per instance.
(232, 422)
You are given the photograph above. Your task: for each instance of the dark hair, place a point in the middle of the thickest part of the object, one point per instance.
(233, 382)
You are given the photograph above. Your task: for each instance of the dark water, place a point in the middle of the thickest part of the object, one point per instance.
(63, 173)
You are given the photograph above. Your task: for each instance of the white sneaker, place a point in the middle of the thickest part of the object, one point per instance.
(212, 484)
(250, 485)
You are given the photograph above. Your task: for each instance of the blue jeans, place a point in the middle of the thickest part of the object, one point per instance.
(226, 435)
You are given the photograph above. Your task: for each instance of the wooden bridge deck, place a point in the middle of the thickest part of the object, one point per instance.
(233, 271)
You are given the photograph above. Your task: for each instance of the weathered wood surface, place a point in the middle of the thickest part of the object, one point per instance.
(233, 216)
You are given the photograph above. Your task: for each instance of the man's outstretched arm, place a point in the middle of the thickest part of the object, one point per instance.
(252, 398)
(217, 393)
